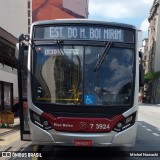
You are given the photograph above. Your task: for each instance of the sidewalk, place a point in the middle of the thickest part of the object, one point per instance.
(8, 128)
(10, 134)
(148, 104)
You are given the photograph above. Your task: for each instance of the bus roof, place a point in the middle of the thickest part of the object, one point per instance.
(83, 21)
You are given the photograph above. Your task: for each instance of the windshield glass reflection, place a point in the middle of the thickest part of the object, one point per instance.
(112, 83)
(65, 75)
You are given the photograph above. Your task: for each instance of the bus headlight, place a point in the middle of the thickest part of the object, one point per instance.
(125, 123)
(39, 121)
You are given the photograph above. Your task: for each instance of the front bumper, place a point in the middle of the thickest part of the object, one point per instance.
(52, 137)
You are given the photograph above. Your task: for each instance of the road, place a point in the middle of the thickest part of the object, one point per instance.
(148, 139)
(148, 134)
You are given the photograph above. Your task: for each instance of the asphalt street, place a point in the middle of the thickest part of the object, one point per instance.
(147, 142)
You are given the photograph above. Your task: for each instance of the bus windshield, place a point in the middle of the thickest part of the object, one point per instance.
(65, 75)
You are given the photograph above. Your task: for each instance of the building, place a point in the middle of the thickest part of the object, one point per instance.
(15, 15)
(144, 50)
(17, 18)
(154, 43)
(154, 37)
(19, 14)
(145, 62)
(57, 9)
(12, 24)
(8, 73)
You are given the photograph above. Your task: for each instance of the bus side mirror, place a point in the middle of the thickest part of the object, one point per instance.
(22, 51)
(23, 37)
(141, 70)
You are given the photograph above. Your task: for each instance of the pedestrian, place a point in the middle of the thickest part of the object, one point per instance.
(139, 98)
(16, 109)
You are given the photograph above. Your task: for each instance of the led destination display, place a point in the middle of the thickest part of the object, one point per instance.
(84, 33)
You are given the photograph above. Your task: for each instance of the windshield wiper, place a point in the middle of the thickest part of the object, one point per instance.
(103, 56)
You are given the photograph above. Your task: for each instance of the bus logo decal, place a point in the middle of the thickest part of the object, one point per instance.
(82, 125)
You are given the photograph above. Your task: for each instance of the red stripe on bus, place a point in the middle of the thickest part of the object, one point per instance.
(72, 124)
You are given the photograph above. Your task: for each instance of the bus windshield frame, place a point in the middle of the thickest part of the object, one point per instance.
(62, 38)
(89, 94)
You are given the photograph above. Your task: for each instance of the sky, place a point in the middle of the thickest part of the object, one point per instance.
(135, 12)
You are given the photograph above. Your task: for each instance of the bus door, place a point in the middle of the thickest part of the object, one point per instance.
(22, 54)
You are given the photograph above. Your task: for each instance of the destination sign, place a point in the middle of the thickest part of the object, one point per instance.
(82, 33)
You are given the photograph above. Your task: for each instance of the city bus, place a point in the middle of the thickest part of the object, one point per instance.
(82, 79)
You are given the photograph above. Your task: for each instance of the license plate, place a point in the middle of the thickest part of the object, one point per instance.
(83, 142)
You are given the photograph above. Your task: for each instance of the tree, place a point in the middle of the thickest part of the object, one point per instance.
(152, 83)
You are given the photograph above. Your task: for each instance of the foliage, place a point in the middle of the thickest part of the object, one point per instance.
(152, 83)
(150, 76)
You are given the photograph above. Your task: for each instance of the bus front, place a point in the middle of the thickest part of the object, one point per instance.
(82, 83)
